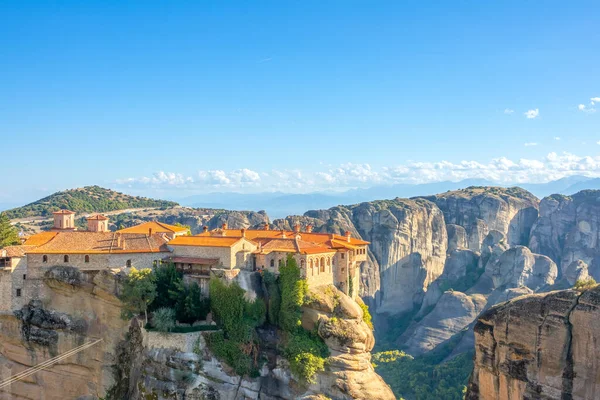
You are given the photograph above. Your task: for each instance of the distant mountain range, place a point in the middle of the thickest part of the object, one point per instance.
(276, 204)
(280, 205)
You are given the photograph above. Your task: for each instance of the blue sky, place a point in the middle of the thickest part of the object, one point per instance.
(180, 97)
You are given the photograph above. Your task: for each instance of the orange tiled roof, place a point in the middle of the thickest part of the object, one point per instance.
(205, 241)
(40, 238)
(63, 212)
(97, 217)
(102, 242)
(254, 234)
(16, 251)
(157, 227)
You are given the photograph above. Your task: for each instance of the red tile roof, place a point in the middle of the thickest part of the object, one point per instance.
(102, 242)
(97, 217)
(156, 227)
(64, 212)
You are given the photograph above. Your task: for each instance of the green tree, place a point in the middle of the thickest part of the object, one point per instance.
(169, 286)
(139, 290)
(8, 233)
(191, 306)
(584, 284)
(163, 319)
(293, 291)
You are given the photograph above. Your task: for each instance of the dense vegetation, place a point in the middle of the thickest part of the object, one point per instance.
(8, 233)
(426, 377)
(305, 351)
(584, 284)
(161, 290)
(237, 344)
(87, 199)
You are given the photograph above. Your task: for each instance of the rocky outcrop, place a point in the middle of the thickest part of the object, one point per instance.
(478, 210)
(539, 346)
(568, 230)
(451, 314)
(169, 372)
(407, 252)
(73, 309)
(518, 266)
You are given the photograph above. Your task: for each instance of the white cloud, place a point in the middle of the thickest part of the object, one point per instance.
(598, 142)
(557, 138)
(350, 175)
(532, 114)
(530, 144)
(587, 109)
(508, 111)
(594, 100)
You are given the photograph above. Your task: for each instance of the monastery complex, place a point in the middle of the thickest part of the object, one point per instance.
(323, 258)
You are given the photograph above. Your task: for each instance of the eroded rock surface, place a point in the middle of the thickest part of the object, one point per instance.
(539, 346)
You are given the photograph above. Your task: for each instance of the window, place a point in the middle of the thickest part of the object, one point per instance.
(66, 258)
(18, 292)
(322, 264)
(302, 263)
(342, 256)
(128, 263)
(272, 263)
(24, 276)
(45, 259)
(87, 259)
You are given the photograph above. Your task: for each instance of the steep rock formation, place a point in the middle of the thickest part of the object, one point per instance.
(478, 210)
(451, 314)
(407, 252)
(518, 266)
(540, 346)
(75, 309)
(568, 230)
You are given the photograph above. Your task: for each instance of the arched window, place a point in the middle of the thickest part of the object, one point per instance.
(87, 259)
(302, 263)
(128, 263)
(45, 259)
(272, 263)
(322, 264)
(66, 258)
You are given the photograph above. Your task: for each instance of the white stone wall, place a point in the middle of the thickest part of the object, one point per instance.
(183, 342)
(96, 261)
(241, 254)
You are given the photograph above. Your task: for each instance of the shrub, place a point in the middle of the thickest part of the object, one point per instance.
(163, 319)
(306, 353)
(191, 306)
(584, 284)
(366, 314)
(271, 287)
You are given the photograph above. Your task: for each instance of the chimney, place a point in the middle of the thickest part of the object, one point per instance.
(243, 232)
(205, 228)
(224, 226)
(283, 234)
(348, 236)
(149, 231)
(297, 227)
(266, 226)
(309, 228)
(119, 240)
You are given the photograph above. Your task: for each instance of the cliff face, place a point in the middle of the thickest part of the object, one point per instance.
(74, 310)
(568, 230)
(479, 210)
(407, 252)
(539, 346)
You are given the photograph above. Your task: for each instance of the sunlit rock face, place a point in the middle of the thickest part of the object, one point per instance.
(407, 252)
(539, 346)
(511, 211)
(568, 231)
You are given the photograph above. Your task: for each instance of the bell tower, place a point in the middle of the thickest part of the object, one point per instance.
(97, 223)
(64, 220)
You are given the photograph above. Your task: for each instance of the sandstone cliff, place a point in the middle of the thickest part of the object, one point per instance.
(407, 252)
(478, 210)
(540, 346)
(74, 309)
(568, 230)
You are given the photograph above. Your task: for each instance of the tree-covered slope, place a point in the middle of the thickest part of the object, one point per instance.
(86, 199)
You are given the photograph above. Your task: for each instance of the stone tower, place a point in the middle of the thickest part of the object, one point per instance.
(64, 220)
(97, 223)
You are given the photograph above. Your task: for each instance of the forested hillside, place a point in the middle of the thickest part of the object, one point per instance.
(86, 199)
